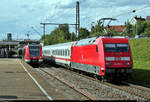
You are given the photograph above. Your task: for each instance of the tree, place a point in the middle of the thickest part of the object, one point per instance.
(128, 29)
(60, 34)
(140, 25)
(146, 32)
(97, 30)
(65, 29)
(83, 33)
(73, 37)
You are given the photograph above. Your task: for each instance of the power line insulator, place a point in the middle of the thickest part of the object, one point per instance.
(134, 11)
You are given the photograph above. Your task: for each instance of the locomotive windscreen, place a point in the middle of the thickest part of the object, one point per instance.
(116, 47)
(34, 51)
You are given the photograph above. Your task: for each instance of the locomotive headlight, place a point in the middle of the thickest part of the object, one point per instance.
(109, 58)
(125, 58)
(108, 63)
(127, 63)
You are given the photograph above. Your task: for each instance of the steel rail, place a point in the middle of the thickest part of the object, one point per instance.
(85, 93)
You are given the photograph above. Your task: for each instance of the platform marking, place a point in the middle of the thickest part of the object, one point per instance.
(36, 82)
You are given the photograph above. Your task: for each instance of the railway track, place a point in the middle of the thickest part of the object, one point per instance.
(84, 93)
(136, 90)
(133, 90)
(125, 88)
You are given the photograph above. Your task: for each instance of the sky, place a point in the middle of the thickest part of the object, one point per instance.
(21, 17)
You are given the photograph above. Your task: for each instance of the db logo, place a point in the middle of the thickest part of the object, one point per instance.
(118, 58)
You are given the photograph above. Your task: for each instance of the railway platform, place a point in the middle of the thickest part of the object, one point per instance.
(19, 82)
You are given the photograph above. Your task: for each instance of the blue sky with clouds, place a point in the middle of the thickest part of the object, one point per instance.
(19, 16)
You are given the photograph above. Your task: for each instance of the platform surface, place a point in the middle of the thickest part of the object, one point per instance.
(16, 84)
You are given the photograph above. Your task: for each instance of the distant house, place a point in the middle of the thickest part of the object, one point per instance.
(117, 28)
(135, 19)
(148, 18)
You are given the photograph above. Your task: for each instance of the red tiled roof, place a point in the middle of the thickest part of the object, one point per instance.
(117, 28)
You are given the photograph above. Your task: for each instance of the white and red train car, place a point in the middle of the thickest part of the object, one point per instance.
(102, 56)
(31, 53)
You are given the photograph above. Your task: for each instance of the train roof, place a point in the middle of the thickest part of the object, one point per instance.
(87, 41)
(68, 44)
(90, 41)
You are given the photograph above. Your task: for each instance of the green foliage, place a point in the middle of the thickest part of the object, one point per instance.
(83, 33)
(128, 29)
(97, 30)
(65, 29)
(112, 32)
(73, 37)
(59, 35)
(141, 28)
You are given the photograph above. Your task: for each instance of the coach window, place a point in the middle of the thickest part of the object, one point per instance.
(60, 52)
(63, 52)
(52, 52)
(66, 52)
(69, 52)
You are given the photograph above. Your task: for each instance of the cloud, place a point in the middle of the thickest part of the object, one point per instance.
(20, 15)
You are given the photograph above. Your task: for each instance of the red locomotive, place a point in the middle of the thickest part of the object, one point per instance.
(106, 57)
(31, 53)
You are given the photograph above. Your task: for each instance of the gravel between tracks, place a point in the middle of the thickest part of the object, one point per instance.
(64, 92)
(102, 92)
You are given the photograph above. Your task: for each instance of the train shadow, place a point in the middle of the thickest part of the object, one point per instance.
(34, 65)
(140, 77)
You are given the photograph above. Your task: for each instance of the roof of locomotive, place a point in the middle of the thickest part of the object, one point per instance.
(90, 41)
(87, 41)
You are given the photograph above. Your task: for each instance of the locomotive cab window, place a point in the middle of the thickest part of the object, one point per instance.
(116, 47)
(122, 47)
(34, 51)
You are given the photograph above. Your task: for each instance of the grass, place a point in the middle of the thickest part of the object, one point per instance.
(140, 49)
